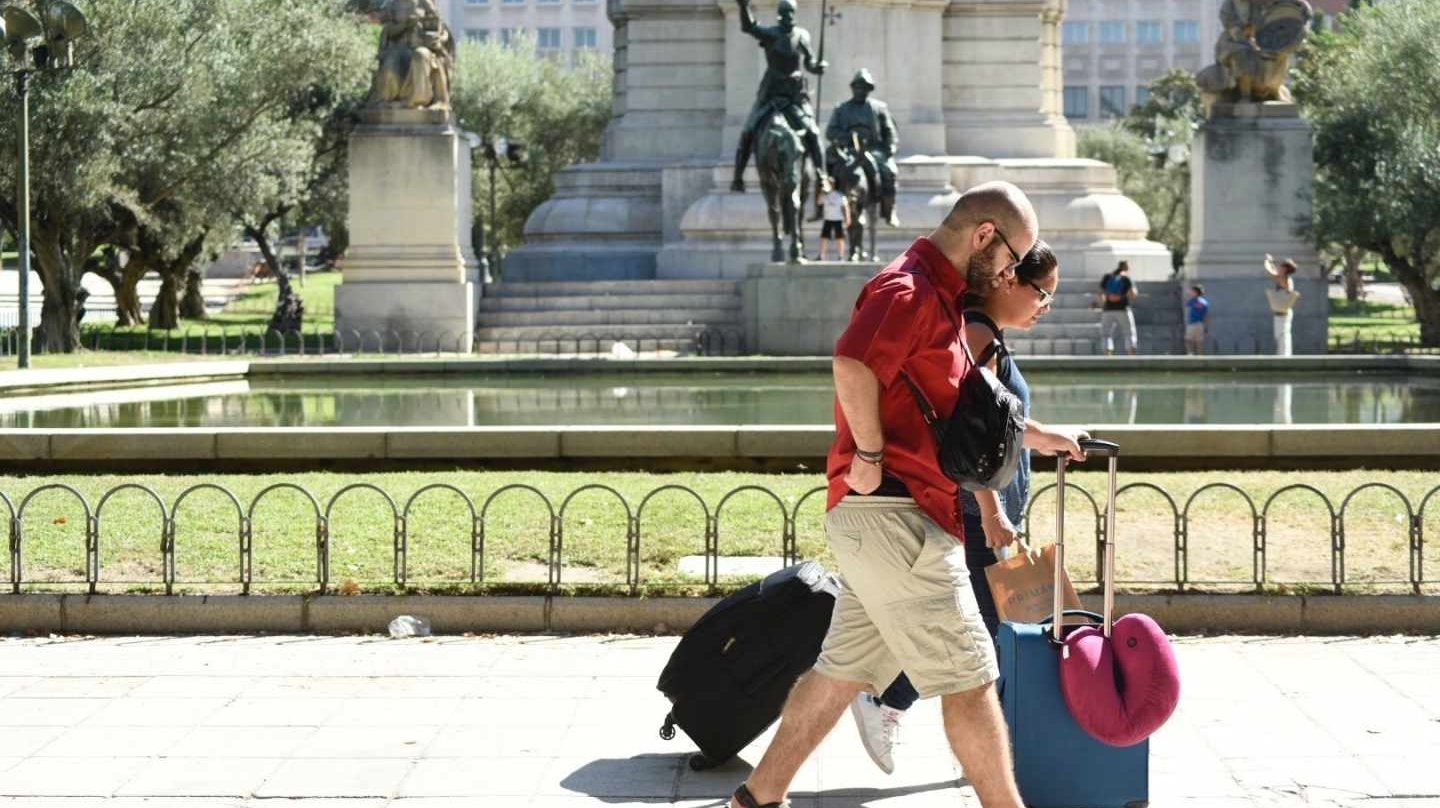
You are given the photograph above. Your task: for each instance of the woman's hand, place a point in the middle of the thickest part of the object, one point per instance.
(1051, 441)
(998, 531)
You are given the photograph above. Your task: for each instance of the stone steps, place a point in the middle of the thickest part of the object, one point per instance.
(591, 316)
(612, 317)
(1054, 347)
(658, 302)
(551, 289)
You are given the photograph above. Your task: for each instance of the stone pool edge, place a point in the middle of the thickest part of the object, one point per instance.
(1145, 447)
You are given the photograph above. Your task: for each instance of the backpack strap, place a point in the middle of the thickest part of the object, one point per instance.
(996, 346)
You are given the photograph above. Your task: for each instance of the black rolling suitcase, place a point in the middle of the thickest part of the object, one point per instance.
(730, 675)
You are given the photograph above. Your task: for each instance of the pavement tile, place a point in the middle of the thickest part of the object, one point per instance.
(70, 777)
(366, 742)
(377, 712)
(47, 712)
(239, 742)
(21, 743)
(496, 742)
(530, 712)
(193, 687)
(476, 777)
(163, 712)
(94, 687)
(336, 778)
(247, 712)
(87, 741)
(201, 777)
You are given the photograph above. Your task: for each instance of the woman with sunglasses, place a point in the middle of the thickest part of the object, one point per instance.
(1016, 299)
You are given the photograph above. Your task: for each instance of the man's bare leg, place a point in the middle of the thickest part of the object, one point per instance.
(976, 730)
(814, 706)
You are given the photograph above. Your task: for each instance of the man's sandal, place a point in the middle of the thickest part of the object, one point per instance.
(747, 800)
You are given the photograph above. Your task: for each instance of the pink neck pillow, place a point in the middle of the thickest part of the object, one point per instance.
(1121, 689)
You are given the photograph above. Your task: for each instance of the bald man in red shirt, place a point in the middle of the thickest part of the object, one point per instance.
(892, 517)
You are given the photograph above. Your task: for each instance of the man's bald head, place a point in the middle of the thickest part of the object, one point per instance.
(1000, 203)
(983, 221)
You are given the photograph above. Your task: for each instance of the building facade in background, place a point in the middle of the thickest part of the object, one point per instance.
(561, 28)
(1113, 49)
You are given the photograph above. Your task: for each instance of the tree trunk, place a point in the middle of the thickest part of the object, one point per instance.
(1354, 284)
(123, 282)
(165, 311)
(192, 305)
(59, 331)
(1426, 299)
(289, 307)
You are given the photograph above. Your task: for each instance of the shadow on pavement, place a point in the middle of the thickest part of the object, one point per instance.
(663, 779)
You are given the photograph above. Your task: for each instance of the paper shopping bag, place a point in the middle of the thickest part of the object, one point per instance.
(1024, 586)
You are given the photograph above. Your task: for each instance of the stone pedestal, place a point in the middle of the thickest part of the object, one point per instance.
(410, 276)
(800, 310)
(1083, 215)
(1002, 79)
(1250, 194)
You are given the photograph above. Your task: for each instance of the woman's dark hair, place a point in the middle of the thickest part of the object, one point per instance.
(1199, 290)
(1036, 266)
(1123, 266)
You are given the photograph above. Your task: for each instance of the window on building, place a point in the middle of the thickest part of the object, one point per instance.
(585, 38)
(1149, 33)
(512, 2)
(1111, 33)
(509, 36)
(1142, 95)
(1112, 101)
(547, 39)
(477, 35)
(477, 2)
(1187, 32)
(547, 2)
(1076, 33)
(1077, 102)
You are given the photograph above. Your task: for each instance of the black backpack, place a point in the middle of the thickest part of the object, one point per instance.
(979, 444)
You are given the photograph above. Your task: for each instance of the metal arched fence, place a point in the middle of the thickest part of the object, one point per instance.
(709, 521)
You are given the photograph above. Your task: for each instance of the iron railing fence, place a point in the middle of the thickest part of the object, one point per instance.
(709, 522)
(221, 340)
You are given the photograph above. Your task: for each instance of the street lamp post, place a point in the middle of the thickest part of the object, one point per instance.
(513, 152)
(34, 45)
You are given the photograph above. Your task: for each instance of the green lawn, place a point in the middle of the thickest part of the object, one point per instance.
(516, 537)
(1371, 321)
(254, 305)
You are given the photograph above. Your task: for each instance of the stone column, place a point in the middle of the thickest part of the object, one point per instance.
(410, 274)
(1250, 194)
(1002, 79)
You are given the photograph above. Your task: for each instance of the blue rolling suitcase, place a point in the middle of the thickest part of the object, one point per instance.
(1058, 764)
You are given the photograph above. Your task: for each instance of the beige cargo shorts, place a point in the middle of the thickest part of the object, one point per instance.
(906, 605)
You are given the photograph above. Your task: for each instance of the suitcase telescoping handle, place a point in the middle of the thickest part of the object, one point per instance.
(1112, 452)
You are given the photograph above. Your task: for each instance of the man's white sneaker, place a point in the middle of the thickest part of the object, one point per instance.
(879, 729)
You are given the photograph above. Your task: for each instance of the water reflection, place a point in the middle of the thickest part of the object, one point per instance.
(535, 400)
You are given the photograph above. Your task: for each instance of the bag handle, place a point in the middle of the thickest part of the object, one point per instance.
(926, 409)
(1112, 451)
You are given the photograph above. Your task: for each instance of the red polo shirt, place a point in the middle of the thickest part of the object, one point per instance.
(898, 325)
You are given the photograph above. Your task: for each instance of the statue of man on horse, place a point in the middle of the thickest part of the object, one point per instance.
(868, 122)
(781, 130)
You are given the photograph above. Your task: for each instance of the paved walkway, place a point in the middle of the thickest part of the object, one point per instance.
(565, 722)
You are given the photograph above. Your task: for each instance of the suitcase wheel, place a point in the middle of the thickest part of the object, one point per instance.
(699, 763)
(667, 731)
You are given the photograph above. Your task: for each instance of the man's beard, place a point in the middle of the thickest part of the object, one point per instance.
(980, 269)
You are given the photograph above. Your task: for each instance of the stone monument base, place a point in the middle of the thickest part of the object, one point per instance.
(406, 316)
(410, 274)
(1083, 215)
(800, 309)
(1251, 195)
